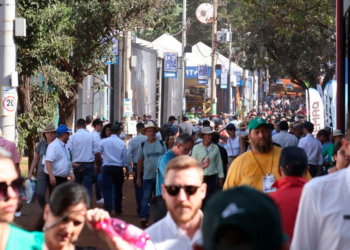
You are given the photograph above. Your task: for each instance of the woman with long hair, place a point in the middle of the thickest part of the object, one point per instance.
(169, 141)
(106, 131)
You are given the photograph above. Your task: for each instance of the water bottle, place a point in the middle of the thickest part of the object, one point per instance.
(118, 228)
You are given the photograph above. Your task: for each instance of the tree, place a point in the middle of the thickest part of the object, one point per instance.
(296, 36)
(67, 40)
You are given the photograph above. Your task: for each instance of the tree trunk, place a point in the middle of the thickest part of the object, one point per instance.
(26, 106)
(67, 110)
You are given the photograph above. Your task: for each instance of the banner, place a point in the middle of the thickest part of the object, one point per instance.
(223, 82)
(203, 72)
(170, 62)
(316, 110)
(330, 104)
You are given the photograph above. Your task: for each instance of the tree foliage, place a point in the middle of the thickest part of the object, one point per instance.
(293, 38)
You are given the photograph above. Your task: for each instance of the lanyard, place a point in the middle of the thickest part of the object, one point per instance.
(273, 154)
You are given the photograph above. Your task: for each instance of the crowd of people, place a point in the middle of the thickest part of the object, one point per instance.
(262, 181)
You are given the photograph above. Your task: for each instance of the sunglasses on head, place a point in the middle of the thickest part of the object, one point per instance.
(15, 185)
(174, 190)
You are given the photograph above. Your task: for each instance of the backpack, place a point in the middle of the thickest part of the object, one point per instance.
(165, 130)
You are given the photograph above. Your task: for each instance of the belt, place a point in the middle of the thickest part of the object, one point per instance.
(92, 162)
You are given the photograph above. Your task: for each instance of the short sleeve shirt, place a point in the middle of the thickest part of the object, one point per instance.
(150, 153)
(185, 128)
(41, 151)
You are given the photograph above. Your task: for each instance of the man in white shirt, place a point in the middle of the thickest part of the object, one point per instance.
(113, 151)
(283, 138)
(132, 156)
(183, 192)
(323, 220)
(57, 164)
(84, 149)
(313, 149)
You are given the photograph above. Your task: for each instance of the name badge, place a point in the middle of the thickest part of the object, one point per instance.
(268, 181)
(43, 160)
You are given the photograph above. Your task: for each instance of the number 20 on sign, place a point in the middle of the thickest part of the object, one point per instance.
(9, 101)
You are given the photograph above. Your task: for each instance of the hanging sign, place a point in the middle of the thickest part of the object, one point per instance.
(203, 72)
(170, 62)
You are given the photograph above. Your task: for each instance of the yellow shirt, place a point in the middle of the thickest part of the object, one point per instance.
(245, 169)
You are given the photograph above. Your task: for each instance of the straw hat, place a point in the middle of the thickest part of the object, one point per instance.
(49, 128)
(242, 125)
(205, 130)
(150, 124)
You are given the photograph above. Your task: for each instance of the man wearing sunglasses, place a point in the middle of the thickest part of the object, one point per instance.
(183, 191)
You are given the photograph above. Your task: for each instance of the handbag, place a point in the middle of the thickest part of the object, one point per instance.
(158, 208)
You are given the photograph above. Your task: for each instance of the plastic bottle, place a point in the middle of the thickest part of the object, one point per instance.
(118, 228)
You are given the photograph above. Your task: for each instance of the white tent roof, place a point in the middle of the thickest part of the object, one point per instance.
(168, 43)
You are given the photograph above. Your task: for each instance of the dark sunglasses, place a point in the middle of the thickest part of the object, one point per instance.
(15, 185)
(174, 190)
(231, 129)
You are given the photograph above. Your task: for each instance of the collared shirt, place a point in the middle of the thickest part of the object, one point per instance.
(287, 199)
(113, 151)
(162, 162)
(323, 217)
(200, 151)
(57, 153)
(132, 154)
(96, 136)
(285, 139)
(82, 146)
(166, 235)
(10, 147)
(313, 149)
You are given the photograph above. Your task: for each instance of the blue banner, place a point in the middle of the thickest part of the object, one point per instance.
(202, 82)
(170, 62)
(203, 72)
(170, 74)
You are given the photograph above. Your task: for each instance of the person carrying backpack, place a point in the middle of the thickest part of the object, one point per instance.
(168, 128)
(149, 153)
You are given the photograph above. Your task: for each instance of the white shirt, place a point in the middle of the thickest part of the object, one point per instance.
(313, 149)
(132, 154)
(96, 136)
(320, 223)
(83, 146)
(285, 139)
(241, 132)
(57, 153)
(89, 128)
(232, 146)
(166, 235)
(113, 151)
(159, 136)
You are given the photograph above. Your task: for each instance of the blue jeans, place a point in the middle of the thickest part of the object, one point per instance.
(41, 188)
(102, 186)
(138, 191)
(148, 187)
(85, 175)
(113, 175)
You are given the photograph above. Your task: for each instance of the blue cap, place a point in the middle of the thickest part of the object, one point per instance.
(61, 129)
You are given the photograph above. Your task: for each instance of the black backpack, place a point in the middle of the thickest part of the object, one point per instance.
(165, 131)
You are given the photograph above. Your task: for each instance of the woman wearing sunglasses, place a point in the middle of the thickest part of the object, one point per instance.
(232, 143)
(12, 237)
(341, 159)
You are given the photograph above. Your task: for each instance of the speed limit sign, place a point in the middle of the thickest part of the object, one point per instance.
(9, 101)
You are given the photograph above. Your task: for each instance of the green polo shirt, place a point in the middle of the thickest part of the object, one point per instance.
(200, 151)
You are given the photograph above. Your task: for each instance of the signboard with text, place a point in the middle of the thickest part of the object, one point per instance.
(9, 101)
(203, 72)
(223, 84)
(170, 62)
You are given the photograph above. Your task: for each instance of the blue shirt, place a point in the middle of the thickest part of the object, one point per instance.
(162, 162)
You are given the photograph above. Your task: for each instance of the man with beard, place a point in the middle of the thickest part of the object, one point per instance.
(183, 191)
(258, 167)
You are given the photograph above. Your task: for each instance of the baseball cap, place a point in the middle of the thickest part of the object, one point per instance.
(172, 118)
(293, 156)
(61, 129)
(256, 122)
(246, 209)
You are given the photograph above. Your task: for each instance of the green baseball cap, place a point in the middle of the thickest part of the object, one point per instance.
(256, 122)
(246, 209)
